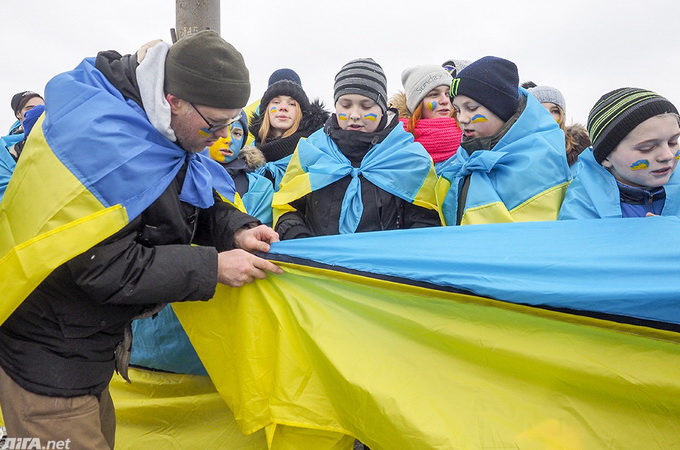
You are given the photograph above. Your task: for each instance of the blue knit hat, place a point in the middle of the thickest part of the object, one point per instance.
(284, 74)
(491, 81)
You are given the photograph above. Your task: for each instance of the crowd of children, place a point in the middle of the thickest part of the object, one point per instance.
(464, 143)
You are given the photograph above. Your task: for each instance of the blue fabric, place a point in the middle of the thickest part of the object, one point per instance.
(110, 145)
(161, 343)
(258, 199)
(7, 166)
(397, 165)
(10, 139)
(276, 169)
(625, 267)
(31, 117)
(529, 159)
(594, 193)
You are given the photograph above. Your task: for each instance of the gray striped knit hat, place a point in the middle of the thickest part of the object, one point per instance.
(364, 77)
(618, 112)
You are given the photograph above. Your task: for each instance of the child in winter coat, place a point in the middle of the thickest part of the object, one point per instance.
(361, 172)
(511, 165)
(285, 115)
(425, 111)
(241, 163)
(630, 169)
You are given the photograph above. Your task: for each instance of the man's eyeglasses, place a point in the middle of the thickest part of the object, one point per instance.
(213, 128)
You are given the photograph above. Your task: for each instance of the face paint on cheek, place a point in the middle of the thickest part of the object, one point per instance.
(342, 116)
(273, 109)
(677, 154)
(431, 105)
(640, 164)
(372, 117)
(477, 118)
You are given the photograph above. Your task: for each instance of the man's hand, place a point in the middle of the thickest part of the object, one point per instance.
(255, 239)
(238, 267)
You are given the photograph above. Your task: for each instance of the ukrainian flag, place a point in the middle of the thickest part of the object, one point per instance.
(519, 335)
(397, 165)
(92, 163)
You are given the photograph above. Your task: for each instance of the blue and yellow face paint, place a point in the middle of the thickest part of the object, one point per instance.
(431, 105)
(478, 118)
(273, 109)
(371, 116)
(342, 116)
(677, 155)
(640, 164)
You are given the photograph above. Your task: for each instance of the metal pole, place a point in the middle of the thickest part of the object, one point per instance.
(193, 16)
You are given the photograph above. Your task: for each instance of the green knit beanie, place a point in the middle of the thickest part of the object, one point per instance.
(204, 69)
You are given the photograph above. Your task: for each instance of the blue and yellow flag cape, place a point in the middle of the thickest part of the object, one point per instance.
(92, 163)
(397, 165)
(523, 178)
(276, 170)
(594, 193)
(258, 199)
(560, 334)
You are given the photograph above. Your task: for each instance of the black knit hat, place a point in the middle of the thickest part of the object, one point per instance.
(20, 99)
(206, 70)
(364, 77)
(491, 81)
(616, 114)
(285, 87)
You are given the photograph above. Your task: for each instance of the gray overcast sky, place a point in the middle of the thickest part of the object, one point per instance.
(584, 48)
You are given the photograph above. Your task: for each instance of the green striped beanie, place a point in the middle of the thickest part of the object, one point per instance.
(618, 112)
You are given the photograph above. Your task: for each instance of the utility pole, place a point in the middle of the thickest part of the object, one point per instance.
(193, 16)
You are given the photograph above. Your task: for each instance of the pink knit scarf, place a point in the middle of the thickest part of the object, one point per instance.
(440, 136)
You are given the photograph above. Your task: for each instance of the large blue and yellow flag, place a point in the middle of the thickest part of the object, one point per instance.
(92, 163)
(397, 165)
(519, 335)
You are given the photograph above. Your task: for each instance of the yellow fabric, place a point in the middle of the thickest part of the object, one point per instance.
(172, 411)
(37, 231)
(249, 111)
(403, 367)
(544, 206)
(294, 184)
(426, 195)
(441, 188)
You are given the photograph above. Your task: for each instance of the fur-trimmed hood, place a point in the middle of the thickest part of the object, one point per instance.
(252, 156)
(398, 102)
(312, 119)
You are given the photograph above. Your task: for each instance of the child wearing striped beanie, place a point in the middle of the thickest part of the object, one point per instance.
(361, 172)
(362, 82)
(630, 169)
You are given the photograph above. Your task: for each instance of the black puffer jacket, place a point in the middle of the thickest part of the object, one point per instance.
(312, 119)
(61, 340)
(318, 213)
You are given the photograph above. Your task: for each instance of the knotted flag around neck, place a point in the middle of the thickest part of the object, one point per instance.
(397, 165)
